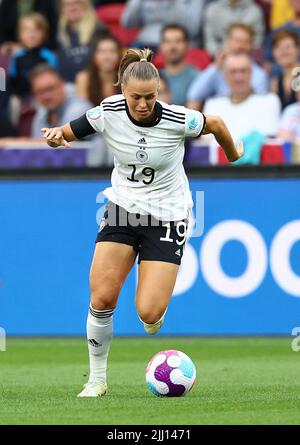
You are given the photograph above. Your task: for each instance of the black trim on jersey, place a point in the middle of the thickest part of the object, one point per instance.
(81, 127)
(204, 123)
(155, 121)
(167, 118)
(175, 113)
(117, 102)
(121, 108)
(171, 116)
(113, 106)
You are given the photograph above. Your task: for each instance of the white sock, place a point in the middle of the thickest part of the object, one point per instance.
(99, 336)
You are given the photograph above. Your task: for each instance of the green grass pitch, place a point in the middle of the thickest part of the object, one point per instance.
(239, 381)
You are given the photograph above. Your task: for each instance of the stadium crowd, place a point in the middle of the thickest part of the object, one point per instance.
(238, 59)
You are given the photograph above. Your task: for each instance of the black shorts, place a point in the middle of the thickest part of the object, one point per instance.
(153, 240)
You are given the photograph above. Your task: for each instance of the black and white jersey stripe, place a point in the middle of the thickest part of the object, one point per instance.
(118, 105)
(173, 116)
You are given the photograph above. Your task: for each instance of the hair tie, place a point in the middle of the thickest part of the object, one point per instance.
(143, 60)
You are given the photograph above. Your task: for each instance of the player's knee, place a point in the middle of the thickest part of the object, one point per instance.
(103, 297)
(150, 315)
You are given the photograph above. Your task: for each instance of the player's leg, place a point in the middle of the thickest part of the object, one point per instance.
(156, 282)
(110, 267)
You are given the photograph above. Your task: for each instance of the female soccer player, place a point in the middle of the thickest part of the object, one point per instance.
(149, 200)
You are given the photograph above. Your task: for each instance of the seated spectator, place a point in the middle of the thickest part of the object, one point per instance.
(292, 25)
(220, 14)
(55, 105)
(178, 74)
(243, 111)
(286, 54)
(97, 81)
(211, 81)
(33, 32)
(289, 126)
(10, 13)
(77, 25)
(152, 15)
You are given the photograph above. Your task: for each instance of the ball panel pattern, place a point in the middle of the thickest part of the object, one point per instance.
(170, 373)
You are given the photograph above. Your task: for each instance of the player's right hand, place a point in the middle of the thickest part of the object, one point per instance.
(55, 137)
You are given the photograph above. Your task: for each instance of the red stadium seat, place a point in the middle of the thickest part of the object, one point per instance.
(111, 15)
(222, 160)
(272, 153)
(196, 56)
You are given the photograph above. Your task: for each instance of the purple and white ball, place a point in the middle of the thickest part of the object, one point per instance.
(170, 374)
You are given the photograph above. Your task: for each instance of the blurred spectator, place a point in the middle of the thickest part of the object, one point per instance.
(245, 112)
(164, 92)
(220, 14)
(211, 81)
(56, 105)
(286, 54)
(179, 75)
(293, 25)
(97, 81)
(78, 23)
(33, 32)
(152, 15)
(289, 127)
(12, 10)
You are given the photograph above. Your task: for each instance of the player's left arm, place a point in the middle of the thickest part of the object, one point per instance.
(216, 126)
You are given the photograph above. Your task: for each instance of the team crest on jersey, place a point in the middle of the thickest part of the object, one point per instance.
(142, 156)
(94, 113)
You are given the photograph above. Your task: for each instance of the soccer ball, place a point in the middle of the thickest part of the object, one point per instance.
(170, 374)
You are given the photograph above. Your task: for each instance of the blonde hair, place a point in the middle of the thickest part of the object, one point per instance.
(137, 63)
(85, 27)
(38, 19)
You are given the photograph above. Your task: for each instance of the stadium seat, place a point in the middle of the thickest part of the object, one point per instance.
(272, 153)
(196, 56)
(222, 160)
(111, 15)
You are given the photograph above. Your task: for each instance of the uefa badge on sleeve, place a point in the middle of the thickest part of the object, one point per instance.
(94, 113)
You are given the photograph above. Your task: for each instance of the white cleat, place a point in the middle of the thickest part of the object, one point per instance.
(93, 389)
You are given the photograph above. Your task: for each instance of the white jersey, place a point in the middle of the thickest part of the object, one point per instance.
(148, 175)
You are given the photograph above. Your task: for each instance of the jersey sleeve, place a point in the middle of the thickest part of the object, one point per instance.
(194, 123)
(95, 117)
